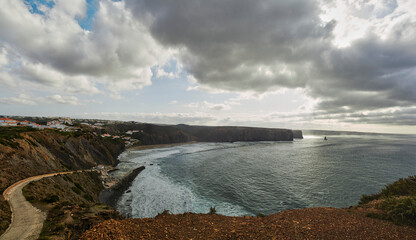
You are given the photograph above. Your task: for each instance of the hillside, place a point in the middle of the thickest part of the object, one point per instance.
(25, 152)
(29, 153)
(71, 203)
(312, 223)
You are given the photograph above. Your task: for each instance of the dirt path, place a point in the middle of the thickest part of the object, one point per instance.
(27, 221)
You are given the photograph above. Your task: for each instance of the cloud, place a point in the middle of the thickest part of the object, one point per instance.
(118, 52)
(46, 76)
(162, 118)
(238, 45)
(352, 58)
(23, 99)
(68, 100)
(209, 106)
(349, 56)
(162, 73)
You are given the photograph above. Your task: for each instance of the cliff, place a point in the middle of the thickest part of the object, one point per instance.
(25, 152)
(297, 134)
(150, 134)
(234, 134)
(33, 153)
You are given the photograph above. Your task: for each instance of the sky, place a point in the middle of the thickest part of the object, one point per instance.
(300, 64)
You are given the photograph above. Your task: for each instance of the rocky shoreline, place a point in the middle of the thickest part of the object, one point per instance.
(111, 195)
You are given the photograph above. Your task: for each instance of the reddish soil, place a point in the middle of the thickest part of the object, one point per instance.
(312, 223)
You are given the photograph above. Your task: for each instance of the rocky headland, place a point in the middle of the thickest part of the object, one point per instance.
(111, 195)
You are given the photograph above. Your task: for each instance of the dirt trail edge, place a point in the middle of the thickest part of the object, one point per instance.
(27, 221)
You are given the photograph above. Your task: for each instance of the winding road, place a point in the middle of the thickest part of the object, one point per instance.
(27, 221)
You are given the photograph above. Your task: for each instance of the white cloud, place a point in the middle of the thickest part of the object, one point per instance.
(115, 96)
(162, 118)
(3, 57)
(54, 50)
(209, 106)
(68, 100)
(23, 99)
(47, 76)
(162, 73)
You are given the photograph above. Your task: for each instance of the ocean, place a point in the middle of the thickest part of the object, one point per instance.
(251, 178)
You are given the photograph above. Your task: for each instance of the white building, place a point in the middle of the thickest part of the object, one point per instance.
(35, 125)
(24, 123)
(8, 122)
(56, 124)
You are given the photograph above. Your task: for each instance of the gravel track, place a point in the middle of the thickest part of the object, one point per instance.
(27, 221)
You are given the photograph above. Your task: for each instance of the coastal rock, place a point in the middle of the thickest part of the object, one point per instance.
(111, 195)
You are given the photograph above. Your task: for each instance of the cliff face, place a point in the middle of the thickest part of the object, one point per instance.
(152, 134)
(233, 134)
(297, 134)
(41, 152)
(164, 134)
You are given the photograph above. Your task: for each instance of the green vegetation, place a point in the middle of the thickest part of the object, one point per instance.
(9, 134)
(79, 186)
(212, 210)
(76, 190)
(51, 199)
(5, 215)
(401, 210)
(368, 198)
(397, 202)
(32, 143)
(402, 187)
(72, 200)
(69, 134)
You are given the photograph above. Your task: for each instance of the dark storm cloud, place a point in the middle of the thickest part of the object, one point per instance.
(242, 45)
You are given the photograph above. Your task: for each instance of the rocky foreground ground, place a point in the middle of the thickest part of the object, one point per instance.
(312, 223)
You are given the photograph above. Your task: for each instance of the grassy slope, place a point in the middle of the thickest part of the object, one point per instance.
(72, 204)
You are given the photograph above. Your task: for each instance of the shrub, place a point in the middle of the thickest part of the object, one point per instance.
(400, 210)
(165, 212)
(212, 210)
(76, 190)
(79, 187)
(51, 199)
(368, 198)
(88, 197)
(402, 187)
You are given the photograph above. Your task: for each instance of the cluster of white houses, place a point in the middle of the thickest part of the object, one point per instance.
(128, 141)
(55, 124)
(62, 124)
